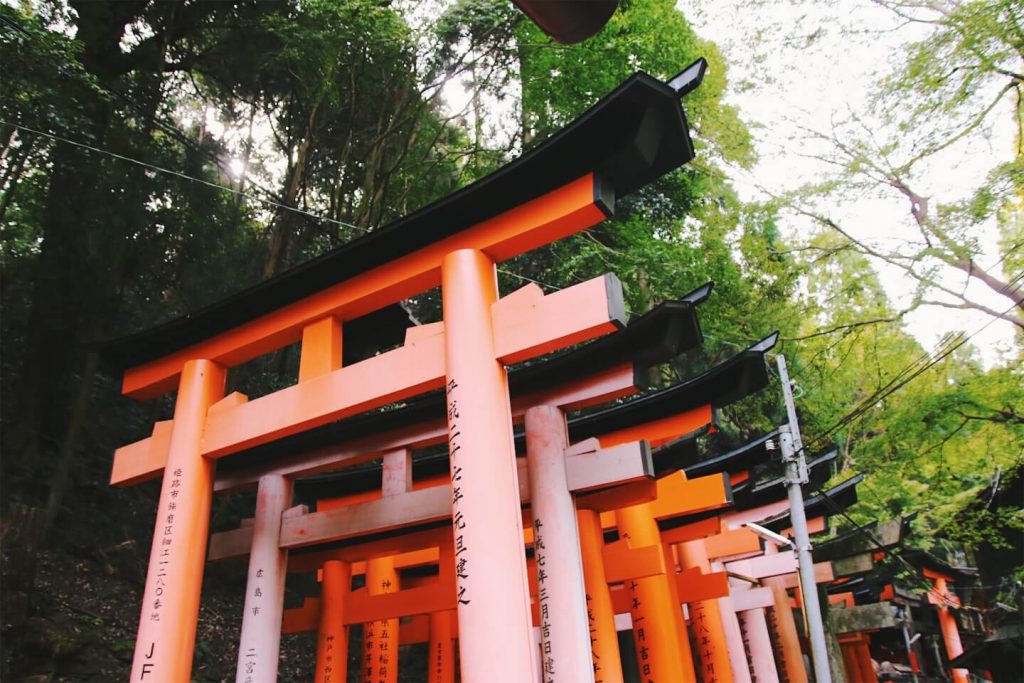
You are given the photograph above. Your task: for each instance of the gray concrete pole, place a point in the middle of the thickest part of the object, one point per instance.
(796, 474)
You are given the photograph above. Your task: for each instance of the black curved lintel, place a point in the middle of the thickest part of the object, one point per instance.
(630, 137)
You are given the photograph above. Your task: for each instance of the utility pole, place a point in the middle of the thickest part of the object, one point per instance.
(797, 475)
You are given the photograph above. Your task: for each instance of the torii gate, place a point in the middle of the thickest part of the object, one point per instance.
(660, 428)
(561, 187)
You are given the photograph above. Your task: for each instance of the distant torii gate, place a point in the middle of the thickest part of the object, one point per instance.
(559, 188)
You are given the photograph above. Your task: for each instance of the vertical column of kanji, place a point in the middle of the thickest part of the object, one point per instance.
(441, 657)
(565, 645)
(495, 628)
(332, 635)
(784, 626)
(170, 600)
(604, 642)
(380, 638)
(950, 632)
(759, 645)
(662, 648)
(709, 628)
(260, 642)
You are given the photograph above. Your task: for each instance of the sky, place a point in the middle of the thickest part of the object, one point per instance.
(803, 65)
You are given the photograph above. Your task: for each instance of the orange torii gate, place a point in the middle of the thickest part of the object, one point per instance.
(660, 428)
(563, 186)
(651, 338)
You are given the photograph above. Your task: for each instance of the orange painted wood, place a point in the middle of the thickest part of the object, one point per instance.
(404, 543)
(414, 629)
(380, 637)
(142, 460)
(571, 315)
(413, 558)
(784, 625)
(545, 219)
(844, 599)
(691, 532)
(604, 643)
(659, 632)
(496, 642)
(613, 384)
(165, 641)
(321, 348)
(608, 500)
(677, 496)
(529, 326)
(589, 391)
(617, 465)
(332, 635)
(732, 543)
(301, 619)
(367, 512)
(441, 648)
(693, 585)
(374, 382)
(362, 607)
(658, 432)
(623, 561)
(414, 507)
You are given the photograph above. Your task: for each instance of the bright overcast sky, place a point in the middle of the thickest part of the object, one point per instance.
(780, 80)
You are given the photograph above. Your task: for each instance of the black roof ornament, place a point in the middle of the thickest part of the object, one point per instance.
(690, 78)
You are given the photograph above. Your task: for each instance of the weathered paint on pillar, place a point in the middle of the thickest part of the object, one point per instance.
(260, 642)
(561, 600)
(867, 667)
(380, 638)
(165, 641)
(784, 626)
(759, 646)
(950, 632)
(850, 664)
(663, 652)
(441, 655)
(604, 641)
(708, 624)
(495, 626)
(332, 636)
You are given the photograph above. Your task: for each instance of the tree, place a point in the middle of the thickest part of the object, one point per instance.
(945, 95)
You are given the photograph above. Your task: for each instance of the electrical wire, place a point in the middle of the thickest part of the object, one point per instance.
(905, 376)
(184, 176)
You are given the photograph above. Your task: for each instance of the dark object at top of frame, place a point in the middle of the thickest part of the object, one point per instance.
(629, 138)
(568, 21)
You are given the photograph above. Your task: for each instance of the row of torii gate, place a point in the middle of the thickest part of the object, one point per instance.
(512, 569)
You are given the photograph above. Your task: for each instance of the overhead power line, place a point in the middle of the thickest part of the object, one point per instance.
(179, 174)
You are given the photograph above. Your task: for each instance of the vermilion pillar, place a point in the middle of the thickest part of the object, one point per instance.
(604, 642)
(170, 601)
(441, 656)
(950, 632)
(260, 643)
(332, 637)
(565, 644)
(495, 627)
(659, 632)
(380, 638)
(708, 624)
(784, 625)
